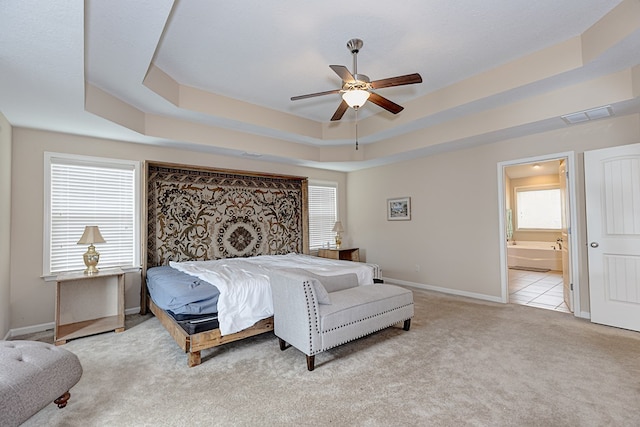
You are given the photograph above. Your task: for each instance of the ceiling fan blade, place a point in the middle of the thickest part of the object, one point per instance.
(340, 111)
(311, 95)
(408, 79)
(343, 72)
(383, 102)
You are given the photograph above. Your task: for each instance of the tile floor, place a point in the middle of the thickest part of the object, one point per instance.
(542, 290)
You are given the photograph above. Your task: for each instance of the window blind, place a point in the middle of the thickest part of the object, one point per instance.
(94, 192)
(322, 215)
(539, 209)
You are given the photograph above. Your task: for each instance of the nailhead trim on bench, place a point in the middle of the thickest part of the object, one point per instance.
(313, 352)
(311, 307)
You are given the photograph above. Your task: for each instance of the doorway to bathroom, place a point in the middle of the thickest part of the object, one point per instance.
(537, 208)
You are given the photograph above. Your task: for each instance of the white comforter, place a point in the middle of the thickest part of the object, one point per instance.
(245, 293)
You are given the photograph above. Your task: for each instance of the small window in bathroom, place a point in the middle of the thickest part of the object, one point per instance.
(538, 208)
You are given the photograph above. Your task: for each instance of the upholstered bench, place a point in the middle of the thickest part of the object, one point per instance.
(32, 375)
(315, 313)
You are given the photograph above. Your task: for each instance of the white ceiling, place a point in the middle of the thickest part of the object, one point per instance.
(533, 169)
(263, 53)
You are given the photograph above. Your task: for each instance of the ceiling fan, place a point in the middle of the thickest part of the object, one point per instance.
(357, 88)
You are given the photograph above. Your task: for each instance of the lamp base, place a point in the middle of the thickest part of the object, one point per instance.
(91, 270)
(91, 258)
(338, 241)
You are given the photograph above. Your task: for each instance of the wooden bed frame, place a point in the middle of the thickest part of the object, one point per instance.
(193, 344)
(192, 177)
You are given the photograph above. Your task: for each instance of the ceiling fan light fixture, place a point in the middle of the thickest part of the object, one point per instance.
(355, 98)
(357, 88)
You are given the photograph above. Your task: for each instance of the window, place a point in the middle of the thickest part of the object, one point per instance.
(322, 214)
(81, 191)
(538, 208)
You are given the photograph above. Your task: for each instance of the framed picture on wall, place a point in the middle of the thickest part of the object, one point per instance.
(399, 209)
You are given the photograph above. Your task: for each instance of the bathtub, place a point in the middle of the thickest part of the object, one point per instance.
(534, 255)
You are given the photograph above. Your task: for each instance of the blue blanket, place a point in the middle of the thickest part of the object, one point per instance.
(181, 293)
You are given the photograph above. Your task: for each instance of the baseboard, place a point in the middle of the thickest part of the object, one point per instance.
(31, 329)
(134, 310)
(583, 314)
(47, 326)
(444, 290)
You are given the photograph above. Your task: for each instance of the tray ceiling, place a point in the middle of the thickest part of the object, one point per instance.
(199, 74)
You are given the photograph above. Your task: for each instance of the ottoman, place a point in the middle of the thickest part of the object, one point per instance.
(32, 375)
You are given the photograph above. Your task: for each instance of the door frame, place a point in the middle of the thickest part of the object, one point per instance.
(570, 158)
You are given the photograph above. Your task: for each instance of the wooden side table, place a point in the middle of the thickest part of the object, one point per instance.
(88, 304)
(350, 254)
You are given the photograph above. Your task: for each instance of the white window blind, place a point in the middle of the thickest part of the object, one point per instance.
(90, 191)
(538, 209)
(322, 214)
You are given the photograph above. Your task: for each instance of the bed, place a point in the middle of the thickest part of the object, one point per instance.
(197, 218)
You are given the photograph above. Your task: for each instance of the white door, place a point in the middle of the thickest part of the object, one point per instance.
(612, 189)
(566, 241)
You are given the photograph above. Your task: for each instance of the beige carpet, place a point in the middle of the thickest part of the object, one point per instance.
(463, 362)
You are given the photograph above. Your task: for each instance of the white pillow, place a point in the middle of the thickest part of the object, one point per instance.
(336, 283)
(321, 293)
(303, 275)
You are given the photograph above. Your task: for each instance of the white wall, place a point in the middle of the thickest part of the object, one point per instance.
(452, 240)
(32, 299)
(5, 224)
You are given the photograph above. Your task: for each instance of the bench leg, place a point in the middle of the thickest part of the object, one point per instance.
(407, 324)
(194, 359)
(283, 344)
(62, 400)
(311, 362)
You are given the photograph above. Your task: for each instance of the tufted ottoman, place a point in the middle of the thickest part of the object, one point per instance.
(32, 375)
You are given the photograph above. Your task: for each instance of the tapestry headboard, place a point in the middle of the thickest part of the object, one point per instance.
(196, 213)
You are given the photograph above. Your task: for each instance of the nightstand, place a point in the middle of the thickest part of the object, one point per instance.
(88, 304)
(350, 254)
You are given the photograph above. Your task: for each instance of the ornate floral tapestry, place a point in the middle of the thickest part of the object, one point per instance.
(202, 214)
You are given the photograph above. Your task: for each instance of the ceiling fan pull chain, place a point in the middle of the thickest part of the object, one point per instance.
(356, 130)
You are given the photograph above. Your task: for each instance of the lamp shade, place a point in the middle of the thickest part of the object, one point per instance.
(337, 227)
(91, 235)
(355, 98)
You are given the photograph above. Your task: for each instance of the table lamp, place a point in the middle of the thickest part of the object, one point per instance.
(91, 235)
(338, 230)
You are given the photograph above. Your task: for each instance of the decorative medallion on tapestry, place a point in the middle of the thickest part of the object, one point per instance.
(202, 214)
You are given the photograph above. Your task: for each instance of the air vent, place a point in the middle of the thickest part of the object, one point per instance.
(583, 116)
